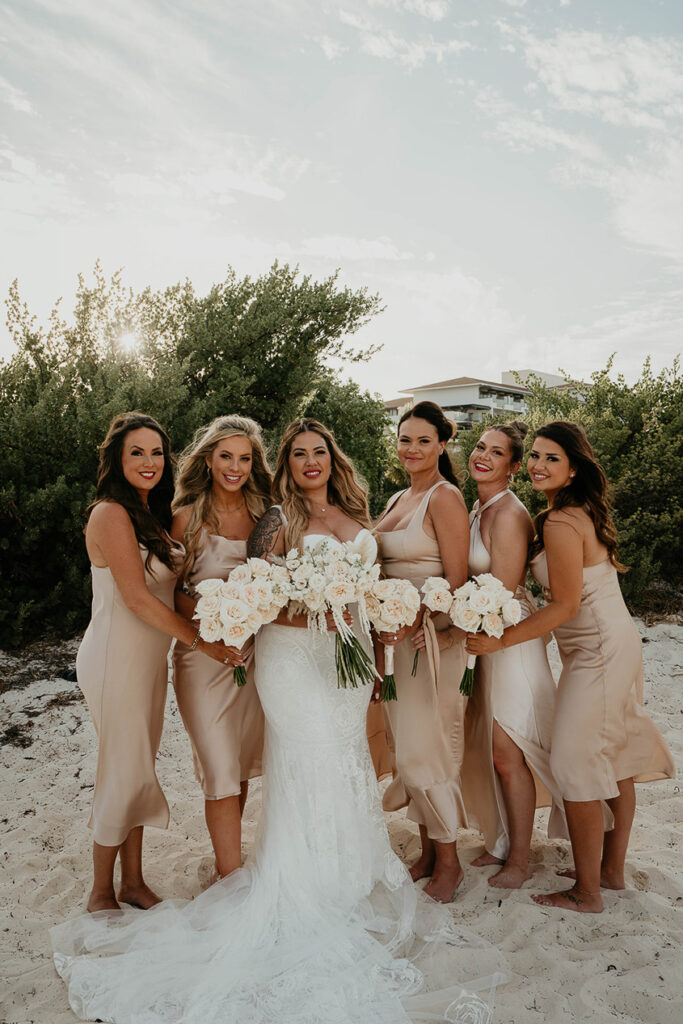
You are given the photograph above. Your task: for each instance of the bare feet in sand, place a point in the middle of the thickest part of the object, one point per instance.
(607, 881)
(101, 901)
(510, 876)
(485, 859)
(571, 899)
(443, 884)
(423, 866)
(140, 896)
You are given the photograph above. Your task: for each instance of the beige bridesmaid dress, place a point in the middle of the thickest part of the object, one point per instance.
(425, 727)
(224, 721)
(515, 688)
(122, 670)
(601, 732)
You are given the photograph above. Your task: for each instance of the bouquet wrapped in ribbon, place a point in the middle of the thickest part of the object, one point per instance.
(233, 610)
(437, 597)
(482, 604)
(328, 577)
(391, 604)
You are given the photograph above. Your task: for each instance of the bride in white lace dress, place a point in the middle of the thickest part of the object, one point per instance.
(323, 924)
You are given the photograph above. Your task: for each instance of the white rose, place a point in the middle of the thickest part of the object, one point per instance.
(210, 630)
(465, 591)
(231, 591)
(234, 610)
(208, 606)
(250, 595)
(236, 634)
(259, 566)
(209, 587)
(293, 559)
(242, 574)
(438, 600)
(394, 611)
(254, 621)
(279, 575)
(384, 589)
(464, 617)
(301, 575)
(270, 614)
(512, 612)
(373, 606)
(483, 601)
(434, 583)
(339, 593)
(492, 624)
(340, 571)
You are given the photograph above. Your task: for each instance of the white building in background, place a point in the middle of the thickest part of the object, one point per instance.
(468, 400)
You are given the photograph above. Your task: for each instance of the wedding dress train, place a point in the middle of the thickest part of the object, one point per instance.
(322, 925)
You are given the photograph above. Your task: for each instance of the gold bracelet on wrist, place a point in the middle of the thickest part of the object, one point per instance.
(197, 638)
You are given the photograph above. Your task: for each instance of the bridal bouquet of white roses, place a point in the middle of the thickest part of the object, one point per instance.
(391, 604)
(482, 604)
(437, 597)
(328, 577)
(232, 610)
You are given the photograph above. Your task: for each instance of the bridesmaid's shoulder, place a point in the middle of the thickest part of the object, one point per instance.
(511, 514)
(181, 520)
(447, 499)
(571, 516)
(108, 513)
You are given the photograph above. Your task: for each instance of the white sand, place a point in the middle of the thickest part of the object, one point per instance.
(622, 966)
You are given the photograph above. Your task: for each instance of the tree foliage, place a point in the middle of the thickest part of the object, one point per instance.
(637, 435)
(256, 346)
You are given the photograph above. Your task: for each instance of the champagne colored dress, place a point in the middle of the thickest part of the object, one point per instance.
(224, 721)
(122, 670)
(515, 688)
(425, 726)
(601, 732)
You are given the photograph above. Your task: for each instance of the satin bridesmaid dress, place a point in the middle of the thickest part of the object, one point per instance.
(425, 728)
(224, 721)
(601, 732)
(515, 688)
(122, 669)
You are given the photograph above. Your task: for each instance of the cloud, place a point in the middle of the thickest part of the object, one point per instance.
(331, 47)
(385, 44)
(628, 80)
(15, 98)
(338, 247)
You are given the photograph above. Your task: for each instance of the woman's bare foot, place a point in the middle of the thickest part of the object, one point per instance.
(607, 881)
(443, 884)
(510, 876)
(101, 901)
(485, 859)
(571, 899)
(140, 896)
(423, 866)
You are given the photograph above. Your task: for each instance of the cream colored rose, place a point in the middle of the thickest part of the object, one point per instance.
(464, 617)
(236, 634)
(270, 614)
(492, 624)
(279, 575)
(210, 630)
(341, 571)
(259, 566)
(465, 591)
(250, 595)
(384, 589)
(234, 610)
(254, 621)
(242, 574)
(373, 606)
(512, 612)
(438, 600)
(231, 591)
(301, 576)
(483, 601)
(207, 588)
(338, 593)
(395, 611)
(208, 606)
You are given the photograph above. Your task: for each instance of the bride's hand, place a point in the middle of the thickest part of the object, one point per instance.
(329, 618)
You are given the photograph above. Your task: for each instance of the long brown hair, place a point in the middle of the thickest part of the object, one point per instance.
(343, 487)
(587, 489)
(151, 522)
(445, 429)
(195, 487)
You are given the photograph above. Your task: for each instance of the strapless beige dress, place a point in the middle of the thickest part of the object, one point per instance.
(425, 727)
(515, 688)
(601, 732)
(224, 721)
(122, 670)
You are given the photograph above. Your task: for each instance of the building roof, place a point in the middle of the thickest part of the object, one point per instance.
(459, 382)
(396, 403)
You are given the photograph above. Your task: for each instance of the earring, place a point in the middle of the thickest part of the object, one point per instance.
(208, 470)
(511, 478)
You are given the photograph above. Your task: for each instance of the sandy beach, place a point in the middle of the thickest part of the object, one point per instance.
(621, 966)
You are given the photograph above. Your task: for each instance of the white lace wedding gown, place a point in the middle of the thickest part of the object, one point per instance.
(323, 924)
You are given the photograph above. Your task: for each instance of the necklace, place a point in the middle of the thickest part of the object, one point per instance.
(229, 511)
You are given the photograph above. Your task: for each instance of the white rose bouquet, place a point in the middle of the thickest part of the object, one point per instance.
(483, 603)
(437, 597)
(391, 604)
(233, 610)
(327, 578)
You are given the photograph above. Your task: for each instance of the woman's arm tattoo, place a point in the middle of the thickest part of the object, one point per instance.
(263, 537)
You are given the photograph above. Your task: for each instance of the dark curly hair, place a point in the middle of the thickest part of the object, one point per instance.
(150, 522)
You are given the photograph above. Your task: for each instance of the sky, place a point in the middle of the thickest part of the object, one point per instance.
(506, 174)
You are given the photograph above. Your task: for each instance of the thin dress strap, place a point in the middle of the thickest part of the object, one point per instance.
(422, 507)
(477, 511)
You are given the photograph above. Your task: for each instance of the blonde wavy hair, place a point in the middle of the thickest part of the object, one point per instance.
(194, 485)
(343, 488)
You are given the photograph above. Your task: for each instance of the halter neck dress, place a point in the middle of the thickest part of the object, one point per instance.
(515, 688)
(425, 725)
(601, 733)
(224, 721)
(122, 670)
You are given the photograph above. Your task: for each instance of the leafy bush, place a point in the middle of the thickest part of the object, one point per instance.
(258, 347)
(637, 434)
